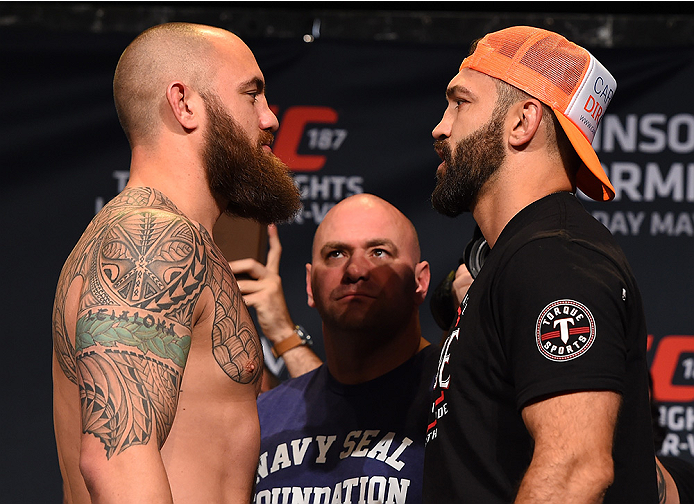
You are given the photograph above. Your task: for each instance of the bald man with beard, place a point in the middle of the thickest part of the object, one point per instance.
(156, 363)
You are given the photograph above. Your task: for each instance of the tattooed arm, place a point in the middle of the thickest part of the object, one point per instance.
(132, 341)
(667, 489)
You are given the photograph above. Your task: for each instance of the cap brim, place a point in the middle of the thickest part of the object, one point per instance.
(591, 178)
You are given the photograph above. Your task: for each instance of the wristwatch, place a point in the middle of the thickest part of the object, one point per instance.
(298, 338)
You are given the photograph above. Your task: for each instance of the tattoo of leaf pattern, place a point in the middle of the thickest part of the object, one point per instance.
(662, 487)
(146, 334)
(235, 345)
(122, 393)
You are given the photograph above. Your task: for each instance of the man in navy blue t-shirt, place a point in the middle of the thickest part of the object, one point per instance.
(352, 430)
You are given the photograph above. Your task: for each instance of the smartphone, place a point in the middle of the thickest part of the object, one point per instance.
(240, 238)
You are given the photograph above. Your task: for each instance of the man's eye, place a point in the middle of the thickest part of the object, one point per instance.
(380, 252)
(334, 254)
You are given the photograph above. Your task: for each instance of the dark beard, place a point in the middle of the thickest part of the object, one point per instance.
(255, 184)
(477, 158)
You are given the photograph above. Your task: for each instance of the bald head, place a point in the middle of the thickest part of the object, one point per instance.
(367, 283)
(366, 214)
(158, 56)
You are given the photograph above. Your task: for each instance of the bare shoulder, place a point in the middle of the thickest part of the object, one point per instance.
(121, 260)
(140, 252)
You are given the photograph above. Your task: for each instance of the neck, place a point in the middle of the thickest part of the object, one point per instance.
(181, 177)
(359, 356)
(513, 189)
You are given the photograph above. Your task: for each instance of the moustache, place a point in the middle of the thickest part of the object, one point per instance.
(443, 149)
(266, 138)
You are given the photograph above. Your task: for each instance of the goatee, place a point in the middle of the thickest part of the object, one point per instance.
(254, 183)
(476, 159)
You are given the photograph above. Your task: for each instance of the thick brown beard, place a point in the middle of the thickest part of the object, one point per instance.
(253, 183)
(476, 159)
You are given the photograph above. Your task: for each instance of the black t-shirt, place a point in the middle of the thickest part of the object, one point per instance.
(554, 309)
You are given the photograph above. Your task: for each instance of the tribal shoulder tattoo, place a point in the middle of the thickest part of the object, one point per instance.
(143, 266)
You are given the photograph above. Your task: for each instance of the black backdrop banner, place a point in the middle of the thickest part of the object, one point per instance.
(355, 117)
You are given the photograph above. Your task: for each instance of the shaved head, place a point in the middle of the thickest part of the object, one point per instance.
(159, 55)
(354, 210)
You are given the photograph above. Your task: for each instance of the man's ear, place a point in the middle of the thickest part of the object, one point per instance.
(422, 277)
(184, 105)
(526, 116)
(309, 289)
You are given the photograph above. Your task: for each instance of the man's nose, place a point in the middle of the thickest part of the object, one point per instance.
(267, 118)
(443, 128)
(357, 268)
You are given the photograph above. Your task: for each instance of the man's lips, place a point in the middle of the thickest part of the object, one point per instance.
(354, 295)
(441, 151)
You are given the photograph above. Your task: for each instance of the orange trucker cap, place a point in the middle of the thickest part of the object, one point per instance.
(563, 76)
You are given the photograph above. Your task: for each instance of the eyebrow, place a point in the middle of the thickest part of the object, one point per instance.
(255, 82)
(369, 244)
(381, 241)
(453, 91)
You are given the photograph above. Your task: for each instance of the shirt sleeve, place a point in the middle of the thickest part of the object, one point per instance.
(562, 318)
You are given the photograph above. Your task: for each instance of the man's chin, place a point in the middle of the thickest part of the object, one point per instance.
(448, 204)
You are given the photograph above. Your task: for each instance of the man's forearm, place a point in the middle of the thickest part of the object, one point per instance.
(300, 360)
(564, 483)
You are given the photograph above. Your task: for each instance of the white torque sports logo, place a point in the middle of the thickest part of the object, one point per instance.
(565, 330)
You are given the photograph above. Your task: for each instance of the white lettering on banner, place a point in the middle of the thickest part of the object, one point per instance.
(357, 444)
(672, 224)
(636, 184)
(679, 420)
(320, 193)
(325, 138)
(626, 223)
(631, 223)
(674, 445)
(362, 490)
(121, 177)
(643, 179)
(649, 133)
